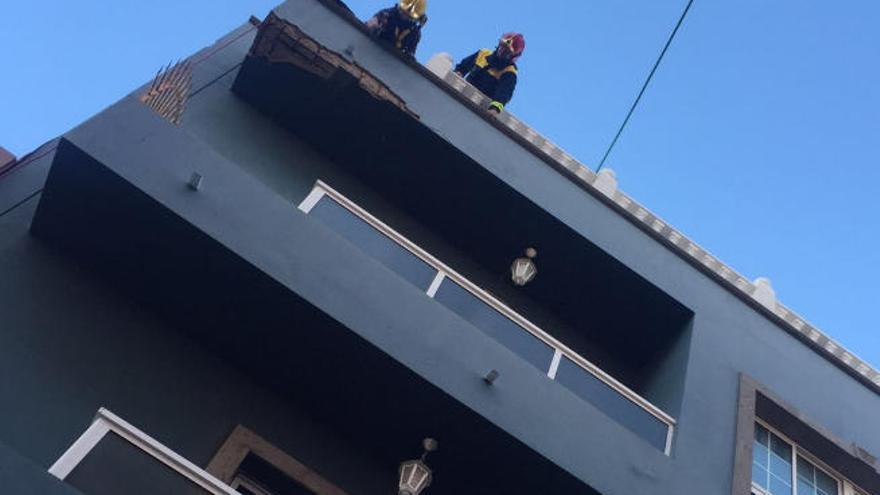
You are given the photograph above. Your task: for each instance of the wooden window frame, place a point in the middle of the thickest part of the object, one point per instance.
(242, 442)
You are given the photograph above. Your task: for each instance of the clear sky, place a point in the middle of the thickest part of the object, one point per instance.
(759, 138)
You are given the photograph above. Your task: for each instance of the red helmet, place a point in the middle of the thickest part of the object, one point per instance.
(514, 43)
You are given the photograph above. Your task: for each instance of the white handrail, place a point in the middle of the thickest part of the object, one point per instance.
(321, 189)
(106, 422)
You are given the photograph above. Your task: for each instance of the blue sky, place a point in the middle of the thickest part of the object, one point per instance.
(759, 138)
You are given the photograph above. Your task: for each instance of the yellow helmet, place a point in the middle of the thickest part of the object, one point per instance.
(415, 9)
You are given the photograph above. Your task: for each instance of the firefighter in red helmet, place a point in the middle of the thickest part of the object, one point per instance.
(495, 72)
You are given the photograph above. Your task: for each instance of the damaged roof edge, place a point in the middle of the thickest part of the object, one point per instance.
(639, 216)
(317, 59)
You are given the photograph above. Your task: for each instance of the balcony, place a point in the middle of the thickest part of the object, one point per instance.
(588, 322)
(300, 310)
(113, 457)
(464, 199)
(484, 311)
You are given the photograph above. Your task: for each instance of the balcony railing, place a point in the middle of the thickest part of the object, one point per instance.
(113, 456)
(490, 315)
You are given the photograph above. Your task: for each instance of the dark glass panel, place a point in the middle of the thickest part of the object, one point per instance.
(495, 324)
(805, 470)
(762, 435)
(781, 448)
(117, 467)
(270, 478)
(374, 243)
(612, 403)
(826, 484)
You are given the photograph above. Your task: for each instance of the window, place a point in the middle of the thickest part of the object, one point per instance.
(780, 467)
(256, 476)
(772, 463)
(253, 466)
(812, 481)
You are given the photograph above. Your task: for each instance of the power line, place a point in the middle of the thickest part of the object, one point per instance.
(645, 86)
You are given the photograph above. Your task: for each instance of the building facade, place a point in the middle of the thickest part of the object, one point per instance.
(284, 263)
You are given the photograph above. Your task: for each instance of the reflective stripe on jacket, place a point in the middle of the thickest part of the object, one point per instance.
(482, 62)
(492, 77)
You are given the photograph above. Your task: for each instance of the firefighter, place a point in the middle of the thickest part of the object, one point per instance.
(495, 73)
(401, 25)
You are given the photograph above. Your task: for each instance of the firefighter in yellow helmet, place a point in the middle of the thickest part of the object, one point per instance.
(401, 25)
(495, 73)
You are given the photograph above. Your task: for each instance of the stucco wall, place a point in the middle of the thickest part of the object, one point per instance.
(58, 379)
(728, 337)
(69, 345)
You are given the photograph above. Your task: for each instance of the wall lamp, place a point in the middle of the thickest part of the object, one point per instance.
(523, 270)
(415, 475)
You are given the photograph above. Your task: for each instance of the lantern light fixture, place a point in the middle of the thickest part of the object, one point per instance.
(415, 475)
(523, 270)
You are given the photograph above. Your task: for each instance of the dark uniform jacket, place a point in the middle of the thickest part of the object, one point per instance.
(390, 26)
(496, 78)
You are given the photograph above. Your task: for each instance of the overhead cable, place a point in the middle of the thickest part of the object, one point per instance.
(645, 86)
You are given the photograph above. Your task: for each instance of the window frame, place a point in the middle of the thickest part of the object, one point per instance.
(321, 190)
(844, 486)
(243, 442)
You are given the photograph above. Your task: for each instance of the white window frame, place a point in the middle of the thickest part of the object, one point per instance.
(106, 422)
(844, 486)
(321, 190)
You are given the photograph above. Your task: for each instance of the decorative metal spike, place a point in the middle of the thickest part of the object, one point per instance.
(169, 91)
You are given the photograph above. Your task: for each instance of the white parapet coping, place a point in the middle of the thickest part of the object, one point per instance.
(606, 182)
(441, 64)
(764, 293)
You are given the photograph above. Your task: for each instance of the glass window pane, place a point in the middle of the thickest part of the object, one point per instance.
(805, 488)
(374, 243)
(780, 447)
(612, 403)
(244, 491)
(762, 435)
(496, 325)
(826, 484)
(810, 479)
(759, 476)
(780, 468)
(116, 467)
(259, 473)
(818, 481)
(760, 455)
(805, 469)
(779, 487)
